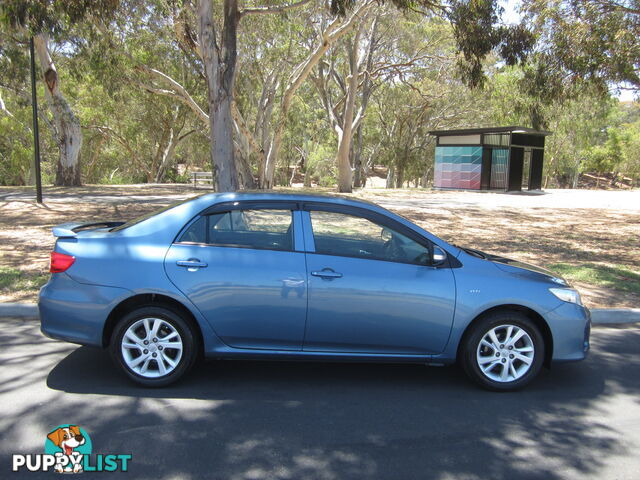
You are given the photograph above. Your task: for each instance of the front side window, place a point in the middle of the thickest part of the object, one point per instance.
(349, 235)
(262, 229)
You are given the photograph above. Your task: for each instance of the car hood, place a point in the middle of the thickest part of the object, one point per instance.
(514, 266)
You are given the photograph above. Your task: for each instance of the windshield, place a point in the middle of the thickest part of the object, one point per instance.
(153, 213)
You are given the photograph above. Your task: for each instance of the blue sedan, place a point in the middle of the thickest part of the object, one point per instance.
(302, 277)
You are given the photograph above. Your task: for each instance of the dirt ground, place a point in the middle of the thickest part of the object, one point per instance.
(574, 228)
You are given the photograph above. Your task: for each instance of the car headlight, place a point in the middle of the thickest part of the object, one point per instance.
(567, 295)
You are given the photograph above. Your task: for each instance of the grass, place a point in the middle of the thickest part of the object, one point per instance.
(596, 248)
(12, 279)
(616, 277)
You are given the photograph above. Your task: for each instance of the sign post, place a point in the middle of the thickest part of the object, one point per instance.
(36, 133)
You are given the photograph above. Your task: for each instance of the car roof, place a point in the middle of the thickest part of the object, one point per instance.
(250, 195)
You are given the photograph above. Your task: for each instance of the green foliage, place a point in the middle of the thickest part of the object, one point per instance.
(608, 156)
(16, 155)
(52, 16)
(321, 166)
(591, 132)
(12, 279)
(615, 277)
(590, 41)
(416, 87)
(174, 177)
(478, 33)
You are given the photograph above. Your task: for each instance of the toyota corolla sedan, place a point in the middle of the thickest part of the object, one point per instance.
(302, 277)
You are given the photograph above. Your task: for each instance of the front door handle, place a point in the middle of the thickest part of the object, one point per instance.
(326, 273)
(191, 263)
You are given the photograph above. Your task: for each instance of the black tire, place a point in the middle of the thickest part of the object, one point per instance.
(186, 359)
(471, 350)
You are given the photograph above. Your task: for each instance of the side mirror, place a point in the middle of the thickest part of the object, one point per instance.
(439, 256)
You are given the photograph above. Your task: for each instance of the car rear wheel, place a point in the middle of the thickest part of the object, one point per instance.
(503, 351)
(154, 346)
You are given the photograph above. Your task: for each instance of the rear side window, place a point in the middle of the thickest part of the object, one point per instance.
(262, 229)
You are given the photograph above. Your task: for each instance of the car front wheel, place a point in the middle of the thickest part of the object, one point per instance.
(154, 346)
(503, 351)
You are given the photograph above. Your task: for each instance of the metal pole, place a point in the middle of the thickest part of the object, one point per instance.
(36, 132)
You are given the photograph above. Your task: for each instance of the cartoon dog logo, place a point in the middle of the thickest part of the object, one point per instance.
(68, 439)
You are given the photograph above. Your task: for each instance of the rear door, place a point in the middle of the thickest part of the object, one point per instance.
(371, 287)
(243, 266)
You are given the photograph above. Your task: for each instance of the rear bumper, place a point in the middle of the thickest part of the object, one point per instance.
(570, 326)
(76, 312)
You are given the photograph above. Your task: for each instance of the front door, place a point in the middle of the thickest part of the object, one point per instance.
(241, 270)
(371, 289)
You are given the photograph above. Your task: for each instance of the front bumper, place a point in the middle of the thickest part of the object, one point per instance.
(76, 312)
(570, 326)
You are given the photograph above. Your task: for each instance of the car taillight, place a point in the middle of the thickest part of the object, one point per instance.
(60, 262)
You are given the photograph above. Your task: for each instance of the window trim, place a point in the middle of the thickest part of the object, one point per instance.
(251, 205)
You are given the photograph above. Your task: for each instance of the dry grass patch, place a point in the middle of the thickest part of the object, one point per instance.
(598, 249)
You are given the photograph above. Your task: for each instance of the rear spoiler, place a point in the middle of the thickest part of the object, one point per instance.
(69, 230)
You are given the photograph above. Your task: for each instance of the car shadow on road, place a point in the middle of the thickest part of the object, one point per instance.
(319, 420)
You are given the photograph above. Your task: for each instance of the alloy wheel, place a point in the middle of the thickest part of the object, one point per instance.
(151, 347)
(505, 353)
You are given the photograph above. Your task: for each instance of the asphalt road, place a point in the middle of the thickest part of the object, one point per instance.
(248, 420)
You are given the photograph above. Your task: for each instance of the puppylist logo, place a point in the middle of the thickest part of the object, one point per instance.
(68, 449)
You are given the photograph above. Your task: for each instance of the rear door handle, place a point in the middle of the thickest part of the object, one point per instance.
(326, 273)
(191, 263)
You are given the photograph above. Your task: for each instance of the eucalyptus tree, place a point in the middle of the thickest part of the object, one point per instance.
(216, 43)
(586, 47)
(41, 20)
(283, 81)
(353, 80)
(329, 34)
(135, 48)
(15, 130)
(594, 41)
(378, 55)
(477, 32)
(211, 36)
(402, 114)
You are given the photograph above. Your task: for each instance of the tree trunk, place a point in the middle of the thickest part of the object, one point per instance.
(168, 154)
(220, 66)
(390, 177)
(424, 181)
(358, 168)
(345, 173)
(171, 138)
(67, 126)
(244, 142)
(245, 174)
(161, 152)
(267, 173)
(333, 32)
(400, 176)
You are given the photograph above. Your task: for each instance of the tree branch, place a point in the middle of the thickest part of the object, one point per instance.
(178, 91)
(272, 8)
(110, 132)
(333, 32)
(3, 108)
(242, 127)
